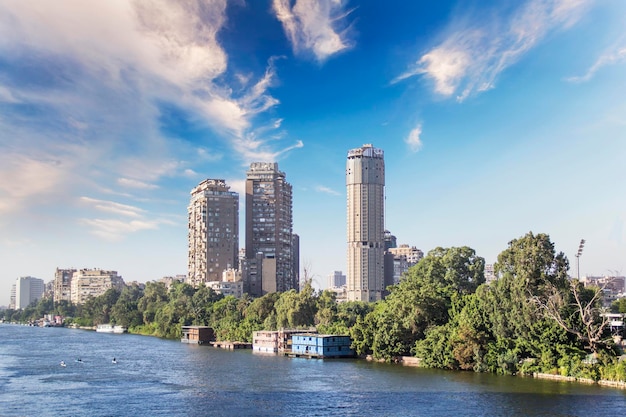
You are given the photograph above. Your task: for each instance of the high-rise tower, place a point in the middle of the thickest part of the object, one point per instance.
(213, 231)
(365, 181)
(269, 223)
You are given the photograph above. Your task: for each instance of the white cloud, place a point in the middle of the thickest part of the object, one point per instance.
(23, 178)
(113, 207)
(115, 230)
(132, 183)
(317, 26)
(413, 140)
(471, 56)
(112, 75)
(611, 57)
(326, 190)
(6, 96)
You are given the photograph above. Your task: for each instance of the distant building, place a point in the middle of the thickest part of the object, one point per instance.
(410, 253)
(613, 287)
(168, 281)
(213, 231)
(365, 183)
(269, 264)
(231, 284)
(295, 257)
(88, 283)
(27, 291)
(63, 284)
(490, 274)
(398, 260)
(12, 298)
(390, 240)
(336, 279)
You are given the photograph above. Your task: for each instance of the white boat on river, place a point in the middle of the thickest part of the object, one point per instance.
(110, 328)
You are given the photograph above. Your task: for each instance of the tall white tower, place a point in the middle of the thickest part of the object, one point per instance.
(365, 181)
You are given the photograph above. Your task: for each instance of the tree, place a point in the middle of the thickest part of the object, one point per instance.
(578, 311)
(296, 309)
(125, 311)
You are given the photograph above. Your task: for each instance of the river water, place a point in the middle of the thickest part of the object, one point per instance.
(155, 377)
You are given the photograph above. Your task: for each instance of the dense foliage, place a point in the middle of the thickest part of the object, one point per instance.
(531, 319)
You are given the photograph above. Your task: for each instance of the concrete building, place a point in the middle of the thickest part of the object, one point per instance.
(27, 291)
(269, 264)
(613, 287)
(336, 279)
(12, 298)
(410, 253)
(213, 231)
(92, 283)
(63, 284)
(365, 181)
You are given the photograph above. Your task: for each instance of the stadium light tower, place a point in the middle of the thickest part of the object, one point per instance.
(578, 255)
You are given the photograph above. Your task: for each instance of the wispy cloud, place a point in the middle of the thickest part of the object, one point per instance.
(132, 183)
(124, 219)
(115, 229)
(610, 57)
(414, 140)
(326, 190)
(113, 207)
(471, 56)
(24, 177)
(316, 26)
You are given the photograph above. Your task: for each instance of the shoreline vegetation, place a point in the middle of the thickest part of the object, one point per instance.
(532, 321)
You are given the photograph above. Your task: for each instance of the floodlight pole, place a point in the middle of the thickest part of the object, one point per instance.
(578, 255)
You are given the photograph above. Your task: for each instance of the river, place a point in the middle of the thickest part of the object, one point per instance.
(155, 377)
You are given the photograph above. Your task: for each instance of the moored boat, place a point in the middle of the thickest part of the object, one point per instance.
(110, 328)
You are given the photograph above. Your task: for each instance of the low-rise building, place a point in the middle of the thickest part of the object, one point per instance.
(321, 346)
(197, 334)
(273, 341)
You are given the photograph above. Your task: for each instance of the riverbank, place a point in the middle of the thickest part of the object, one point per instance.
(602, 382)
(412, 361)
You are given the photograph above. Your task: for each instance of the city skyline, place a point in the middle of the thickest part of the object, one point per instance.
(496, 118)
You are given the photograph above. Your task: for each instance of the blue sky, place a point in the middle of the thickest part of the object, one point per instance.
(496, 118)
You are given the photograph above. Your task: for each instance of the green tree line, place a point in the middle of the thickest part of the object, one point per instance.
(533, 318)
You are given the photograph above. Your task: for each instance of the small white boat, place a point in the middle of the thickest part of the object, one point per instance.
(110, 328)
(114, 360)
(63, 364)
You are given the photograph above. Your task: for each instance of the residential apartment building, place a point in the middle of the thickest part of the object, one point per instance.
(269, 263)
(27, 291)
(336, 279)
(365, 182)
(88, 283)
(213, 231)
(63, 284)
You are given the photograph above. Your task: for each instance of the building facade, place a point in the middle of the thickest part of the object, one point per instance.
(63, 284)
(336, 279)
(269, 264)
(365, 182)
(88, 283)
(213, 231)
(27, 291)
